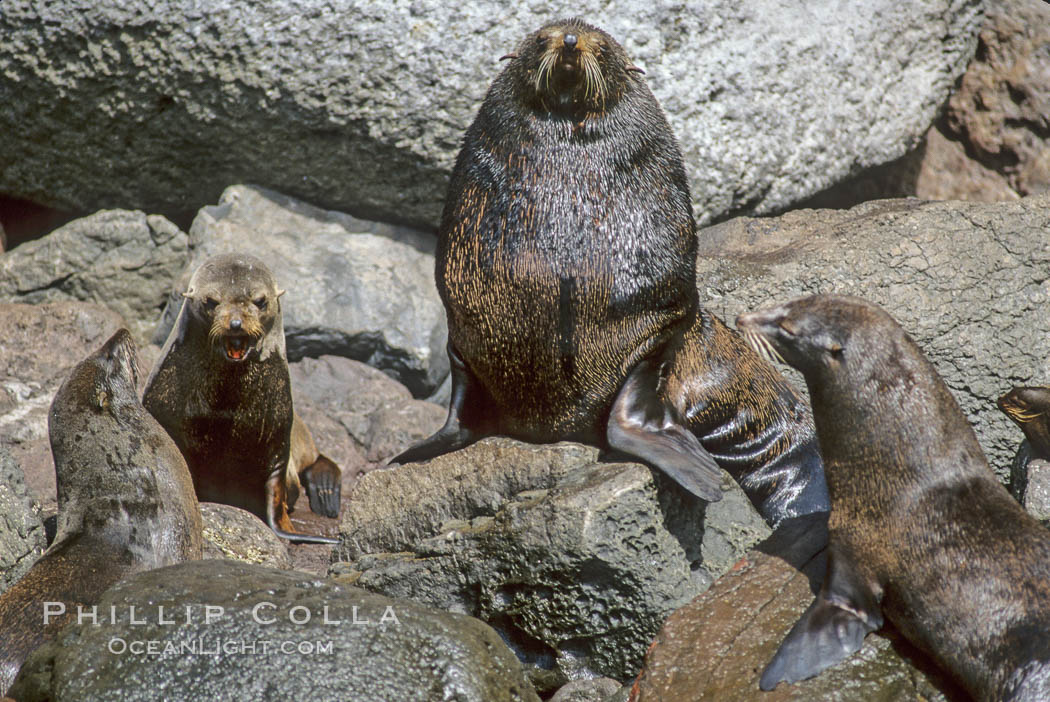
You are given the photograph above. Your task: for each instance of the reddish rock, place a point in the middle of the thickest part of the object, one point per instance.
(715, 647)
(39, 345)
(1000, 114)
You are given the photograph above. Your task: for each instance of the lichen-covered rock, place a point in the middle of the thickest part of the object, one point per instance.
(361, 107)
(968, 281)
(239, 535)
(126, 261)
(257, 633)
(589, 690)
(575, 562)
(353, 288)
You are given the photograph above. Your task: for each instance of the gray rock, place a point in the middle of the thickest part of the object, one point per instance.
(40, 344)
(353, 288)
(377, 412)
(1037, 495)
(126, 261)
(22, 538)
(575, 562)
(592, 690)
(371, 648)
(968, 281)
(361, 107)
(236, 534)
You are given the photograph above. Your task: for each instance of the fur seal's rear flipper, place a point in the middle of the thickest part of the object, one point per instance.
(831, 630)
(277, 515)
(467, 398)
(642, 425)
(323, 486)
(823, 636)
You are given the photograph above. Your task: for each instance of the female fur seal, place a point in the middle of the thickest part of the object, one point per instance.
(125, 502)
(566, 264)
(221, 390)
(920, 530)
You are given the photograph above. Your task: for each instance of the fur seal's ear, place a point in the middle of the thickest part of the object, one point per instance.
(511, 55)
(634, 69)
(189, 293)
(280, 292)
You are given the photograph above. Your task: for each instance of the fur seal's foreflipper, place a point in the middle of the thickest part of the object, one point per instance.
(642, 425)
(277, 516)
(831, 630)
(323, 486)
(466, 399)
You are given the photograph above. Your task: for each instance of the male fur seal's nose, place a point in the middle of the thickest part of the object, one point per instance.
(235, 324)
(570, 41)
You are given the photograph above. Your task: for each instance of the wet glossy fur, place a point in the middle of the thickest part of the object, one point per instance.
(232, 420)
(566, 262)
(125, 501)
(920, 529)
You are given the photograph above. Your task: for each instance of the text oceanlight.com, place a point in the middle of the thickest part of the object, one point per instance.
(217, 647)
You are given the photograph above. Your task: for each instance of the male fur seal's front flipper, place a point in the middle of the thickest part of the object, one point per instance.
(831, 630)
(467, 395)
(323, 482)
(642, 425)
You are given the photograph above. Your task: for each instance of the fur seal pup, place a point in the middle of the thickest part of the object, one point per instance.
(1029, 408)
(566, 264)
(920, 530)
(125, 502)
(222, 391)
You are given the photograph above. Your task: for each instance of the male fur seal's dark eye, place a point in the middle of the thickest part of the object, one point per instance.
(211, 303)
(260, 303)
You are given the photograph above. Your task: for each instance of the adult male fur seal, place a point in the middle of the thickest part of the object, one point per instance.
(125, 502)
(566, 263)
(222, 391)
(920, 529)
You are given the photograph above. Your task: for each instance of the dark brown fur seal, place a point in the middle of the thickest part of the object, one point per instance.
(920, 529)
(125, 501)
(1029, 408)
(221, 390)
(566, 263)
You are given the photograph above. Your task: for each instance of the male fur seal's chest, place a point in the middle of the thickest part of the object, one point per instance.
(557, 279)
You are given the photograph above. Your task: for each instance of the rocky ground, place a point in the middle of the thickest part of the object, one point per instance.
(515, 571)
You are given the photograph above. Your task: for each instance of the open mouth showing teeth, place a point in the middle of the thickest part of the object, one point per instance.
(236, 348)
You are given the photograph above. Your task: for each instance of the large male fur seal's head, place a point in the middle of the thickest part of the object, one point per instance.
(235, 297)
(571, 68)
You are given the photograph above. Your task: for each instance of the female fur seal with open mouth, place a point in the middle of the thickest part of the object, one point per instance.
(222, 391)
